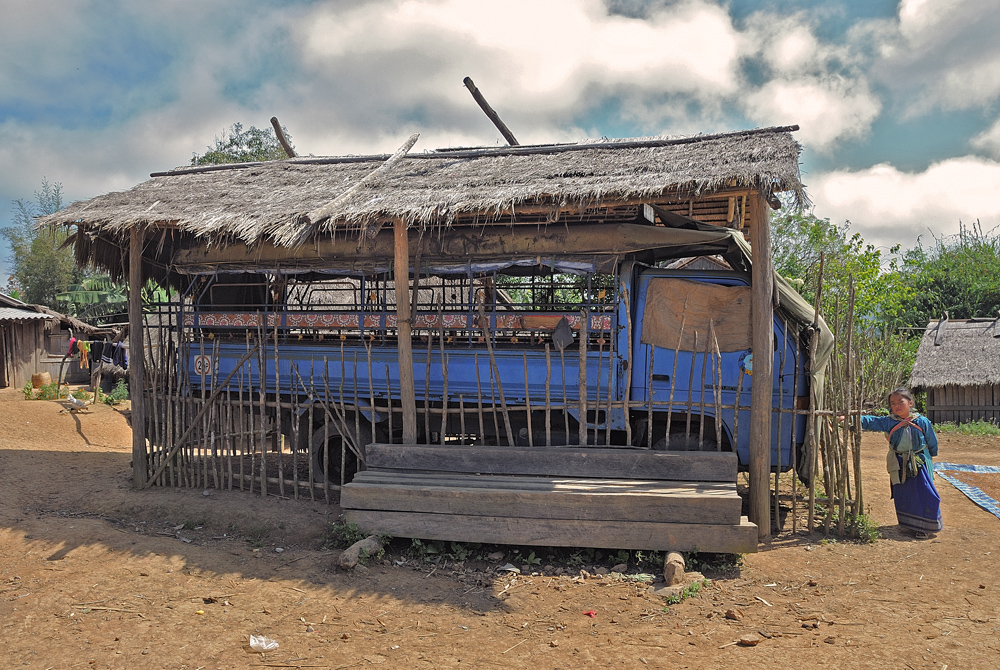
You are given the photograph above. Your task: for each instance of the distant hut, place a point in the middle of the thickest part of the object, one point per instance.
(958, 364)
(34, 339)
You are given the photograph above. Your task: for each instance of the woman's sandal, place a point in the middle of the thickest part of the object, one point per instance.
(920, 535)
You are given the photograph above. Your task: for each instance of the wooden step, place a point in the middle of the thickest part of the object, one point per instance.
(736, 538)
(544, 498)
(644, 464)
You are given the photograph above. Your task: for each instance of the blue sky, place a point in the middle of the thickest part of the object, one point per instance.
(898, 102)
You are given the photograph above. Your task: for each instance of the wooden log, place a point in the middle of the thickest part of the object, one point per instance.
(558, 461)
(136, 370)
(401, 269)
(490, 112)
(320, 213)
(762, 311)
(737, 538)
(279, 132)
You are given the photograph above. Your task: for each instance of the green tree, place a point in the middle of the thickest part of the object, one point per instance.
(42, 265)
(94, 298)
(797, 241)
(237, 145)
(884, 354)
(959, 275)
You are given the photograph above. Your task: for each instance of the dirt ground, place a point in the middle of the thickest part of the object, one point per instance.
(95, 574)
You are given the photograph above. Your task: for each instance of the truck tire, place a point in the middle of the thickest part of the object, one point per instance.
(325, 447)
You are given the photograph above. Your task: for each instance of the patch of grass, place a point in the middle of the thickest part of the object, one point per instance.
(257, 534)
(691, 591)
(341, 535)
(864, 528)
(978, 428)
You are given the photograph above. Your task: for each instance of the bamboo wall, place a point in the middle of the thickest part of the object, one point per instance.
(960, 404)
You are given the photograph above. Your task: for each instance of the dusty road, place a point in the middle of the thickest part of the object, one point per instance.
(95, 574)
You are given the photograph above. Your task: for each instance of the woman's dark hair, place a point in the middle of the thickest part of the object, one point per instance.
(902, 392)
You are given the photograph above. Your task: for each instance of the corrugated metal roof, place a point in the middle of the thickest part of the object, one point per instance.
(13, 314)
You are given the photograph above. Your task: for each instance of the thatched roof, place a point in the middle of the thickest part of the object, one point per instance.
(962, 353)
(281, 201)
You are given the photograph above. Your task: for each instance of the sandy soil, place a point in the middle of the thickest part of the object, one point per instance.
(95, 574)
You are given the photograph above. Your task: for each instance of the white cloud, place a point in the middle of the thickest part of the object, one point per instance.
(827, 109)
(988, 140)
(816, 84)
(888, 206)
(534, 60)
(942, 54)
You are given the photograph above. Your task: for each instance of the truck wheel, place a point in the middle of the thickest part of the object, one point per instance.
(684, 443)
(325, 448)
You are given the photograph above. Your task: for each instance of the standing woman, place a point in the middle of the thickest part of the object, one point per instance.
(912, 443)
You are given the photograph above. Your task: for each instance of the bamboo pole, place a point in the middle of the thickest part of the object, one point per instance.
(177, 445)
(628, 373)
(811, 432)
(136, 370)
(649, 396)
(690, 399)
(484, 324)
(781, 411)
(527, 401)
(673, 375)
(401, 269)
(582, 377)
(762, 311)
(853, 376)
(548, 395)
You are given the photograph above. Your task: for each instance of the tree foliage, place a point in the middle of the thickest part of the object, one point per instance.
(959, 275)
(42, 267)
(237, 145)
(798, 240)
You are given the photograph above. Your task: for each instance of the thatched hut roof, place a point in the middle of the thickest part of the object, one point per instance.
(959, 353)
(281, 202)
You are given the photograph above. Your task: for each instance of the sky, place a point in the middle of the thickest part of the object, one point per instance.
(898, 103)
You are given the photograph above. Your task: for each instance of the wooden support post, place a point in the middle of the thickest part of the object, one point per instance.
(401, 268)
(140, 462)
(762, 312)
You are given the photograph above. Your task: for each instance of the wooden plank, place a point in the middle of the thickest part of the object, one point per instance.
(737, 538)
(415, 478)
(560, 502)
(558, 462)
(137, 358)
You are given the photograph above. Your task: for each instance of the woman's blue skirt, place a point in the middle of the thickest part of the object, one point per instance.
(918, 505)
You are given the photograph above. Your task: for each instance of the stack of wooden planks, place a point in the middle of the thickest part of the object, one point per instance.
(555, 496)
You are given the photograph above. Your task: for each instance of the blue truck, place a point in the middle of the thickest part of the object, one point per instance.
(639, 353)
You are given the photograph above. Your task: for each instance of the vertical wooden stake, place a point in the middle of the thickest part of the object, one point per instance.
(137, 359)
(761, 389)
(401, 268)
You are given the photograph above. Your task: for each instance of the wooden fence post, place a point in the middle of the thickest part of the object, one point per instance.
(762, 313)
(401, 269)
(137, 359)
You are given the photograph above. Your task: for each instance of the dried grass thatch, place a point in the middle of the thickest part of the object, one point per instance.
(272, 202)
(968, 354)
